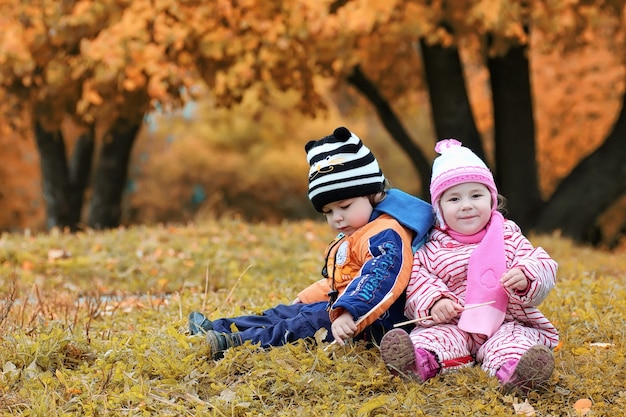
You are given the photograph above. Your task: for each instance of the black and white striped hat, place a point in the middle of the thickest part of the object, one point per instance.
(341, 168)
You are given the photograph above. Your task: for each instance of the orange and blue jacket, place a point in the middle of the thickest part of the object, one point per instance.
(362, 269)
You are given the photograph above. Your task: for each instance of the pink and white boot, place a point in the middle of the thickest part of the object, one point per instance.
(402, 358)
(530, 371)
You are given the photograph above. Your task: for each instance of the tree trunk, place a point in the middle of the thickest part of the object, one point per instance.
(449, 101)
(63, 185)
(80, 172)
(393, 125)
(595, 183)
(111, 174)
(516, 165)
(56, 186)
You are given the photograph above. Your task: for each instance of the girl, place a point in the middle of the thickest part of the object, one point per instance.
(475, 257)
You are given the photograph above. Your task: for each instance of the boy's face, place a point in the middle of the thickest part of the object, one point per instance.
(348, 215)
(466, 208)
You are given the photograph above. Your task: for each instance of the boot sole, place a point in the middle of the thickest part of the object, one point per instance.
(398, 353)
(533, 369)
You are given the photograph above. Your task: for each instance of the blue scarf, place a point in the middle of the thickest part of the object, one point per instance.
(411, 212)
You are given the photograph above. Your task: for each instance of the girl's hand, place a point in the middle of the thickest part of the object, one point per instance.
(445, 310)
(296, 301)
(514, 280)
(343, 328)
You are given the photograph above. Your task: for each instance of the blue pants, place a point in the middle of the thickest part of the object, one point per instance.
(284, 324)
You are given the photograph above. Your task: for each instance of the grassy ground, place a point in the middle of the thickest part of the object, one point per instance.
(95, 324)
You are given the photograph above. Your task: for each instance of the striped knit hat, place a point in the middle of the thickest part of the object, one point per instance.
(341, 168)
(457, 165)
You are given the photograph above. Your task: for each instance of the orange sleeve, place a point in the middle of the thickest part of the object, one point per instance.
(315, 292)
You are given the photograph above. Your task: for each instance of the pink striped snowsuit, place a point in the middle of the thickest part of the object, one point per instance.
(440, 270)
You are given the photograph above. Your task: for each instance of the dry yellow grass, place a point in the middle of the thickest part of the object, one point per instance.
(95, 324)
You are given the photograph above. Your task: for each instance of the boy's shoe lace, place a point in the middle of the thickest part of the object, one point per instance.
(221, 342)
(198, 323)
(532, 369)
(401, 358)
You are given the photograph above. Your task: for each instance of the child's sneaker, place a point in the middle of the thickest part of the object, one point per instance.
(221, 342)
(530, 371)
(198, 323)
(400, 357)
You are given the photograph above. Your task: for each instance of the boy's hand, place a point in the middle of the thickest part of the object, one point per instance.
(514, 280)
(445, 310)
(343, 328)
(296, 301)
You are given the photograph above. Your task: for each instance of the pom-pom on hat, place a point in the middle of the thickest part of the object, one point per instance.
(457, 165)
(341, 168)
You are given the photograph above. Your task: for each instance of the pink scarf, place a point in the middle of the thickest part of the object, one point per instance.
(486, 265)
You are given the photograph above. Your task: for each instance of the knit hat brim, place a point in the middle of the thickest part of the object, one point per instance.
(457, 165)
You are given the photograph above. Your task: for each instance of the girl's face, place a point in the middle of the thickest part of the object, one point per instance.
(348, 215)
(466, 208)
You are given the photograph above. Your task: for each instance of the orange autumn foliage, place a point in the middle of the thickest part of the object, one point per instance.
(574, 111)
(577, 94)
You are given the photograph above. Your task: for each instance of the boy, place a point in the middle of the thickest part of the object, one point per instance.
(367, 266)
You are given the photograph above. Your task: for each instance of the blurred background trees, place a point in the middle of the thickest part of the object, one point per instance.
(154, 111)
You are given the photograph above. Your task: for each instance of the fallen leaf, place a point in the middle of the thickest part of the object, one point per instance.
(57, 254)
(320, 335)
(559, 346)
(562, 390)
(524, 409)
(582, 406)
(580, 351)
(373, 404)
(228, 395)
(602, 345)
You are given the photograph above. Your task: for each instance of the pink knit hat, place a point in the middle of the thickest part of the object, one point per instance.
(457, 165)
